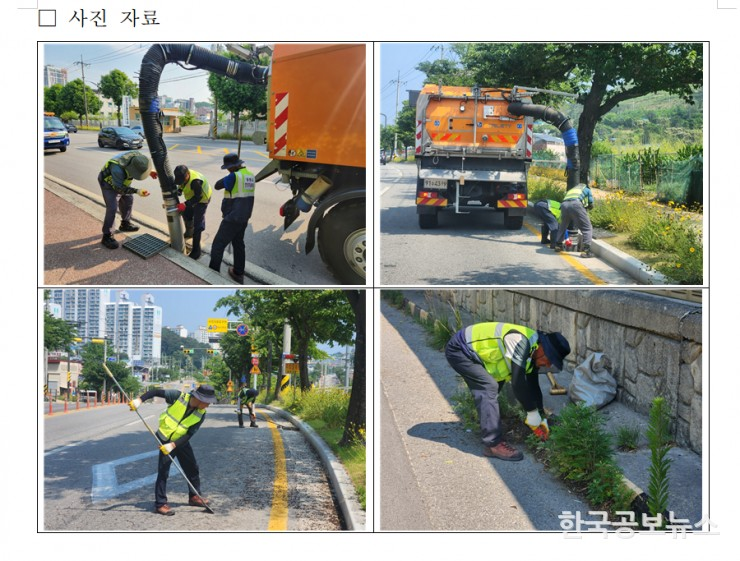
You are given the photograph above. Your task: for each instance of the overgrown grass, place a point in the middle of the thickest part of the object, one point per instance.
(627, 438)
(325, 410)
(670, 233)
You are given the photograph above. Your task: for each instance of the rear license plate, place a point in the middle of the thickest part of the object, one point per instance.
(435, 183)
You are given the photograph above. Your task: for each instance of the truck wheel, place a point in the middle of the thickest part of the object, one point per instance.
(342, 242)
(513, 222)
(427, 221)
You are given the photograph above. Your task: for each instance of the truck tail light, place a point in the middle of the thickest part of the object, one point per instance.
(428, 195)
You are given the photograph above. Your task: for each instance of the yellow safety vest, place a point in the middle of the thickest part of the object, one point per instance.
(577, 193)
(487, 341)
(244, 186)
(172, 425)
(120, 160)
(187, 189)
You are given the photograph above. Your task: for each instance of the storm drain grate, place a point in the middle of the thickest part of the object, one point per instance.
(145, 245)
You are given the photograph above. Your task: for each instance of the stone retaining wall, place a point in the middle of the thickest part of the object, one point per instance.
(654, 343)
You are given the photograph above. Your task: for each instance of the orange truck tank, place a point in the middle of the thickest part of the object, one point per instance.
(317, 104)
(471, 153)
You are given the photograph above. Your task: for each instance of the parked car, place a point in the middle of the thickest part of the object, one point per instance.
(119, 137)
(71, 127)
(56, 136)
(138, 129)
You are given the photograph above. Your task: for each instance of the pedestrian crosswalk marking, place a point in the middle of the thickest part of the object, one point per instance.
(105, 484)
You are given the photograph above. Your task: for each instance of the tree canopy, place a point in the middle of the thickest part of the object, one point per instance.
(115, 85)
(73, 96)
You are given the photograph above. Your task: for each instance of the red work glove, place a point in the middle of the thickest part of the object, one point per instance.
(181, 207)
(153, 174)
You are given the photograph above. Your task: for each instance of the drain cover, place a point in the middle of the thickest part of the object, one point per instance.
(145, 245)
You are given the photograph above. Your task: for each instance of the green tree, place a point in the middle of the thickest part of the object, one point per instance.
(72, 98)
(51, 98)
(406, 125)
(115, 85)
(58, 334)
(95, 376)
(354, 426)
(601, 74)
(235, 97)
(315, 316)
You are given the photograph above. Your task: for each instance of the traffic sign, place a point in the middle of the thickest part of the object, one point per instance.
(255, 360)
(255, 370)
(111, 359)
(242, 329)
(218, 325)
(291, 367)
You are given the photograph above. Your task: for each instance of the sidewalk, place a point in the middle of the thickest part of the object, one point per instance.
(73, 254)
(446, 473)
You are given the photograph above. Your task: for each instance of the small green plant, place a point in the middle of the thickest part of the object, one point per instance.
(658, 435)
(394, 297)
(464, 406)
(627, 438)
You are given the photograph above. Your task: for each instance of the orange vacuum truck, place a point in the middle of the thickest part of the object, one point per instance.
(474, 147)
(315, 138)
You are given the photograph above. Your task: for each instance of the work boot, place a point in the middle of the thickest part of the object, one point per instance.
(197, 501)
(164, 510)
(559, 247)
(237, 278)
(253, 425)
(109, 241)
(189, 230)
(587, 251)
(503, 451)
(126, 226)
(194, 254)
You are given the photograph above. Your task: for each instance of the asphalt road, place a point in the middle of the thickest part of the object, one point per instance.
(268, 246)
(100, 464)
(470, 249)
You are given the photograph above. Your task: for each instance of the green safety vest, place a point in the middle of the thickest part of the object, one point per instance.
(244, 185)
(171, 423)
(120, 160)
(554, 207)
(577, 193)
(187, 189)
(487, 341)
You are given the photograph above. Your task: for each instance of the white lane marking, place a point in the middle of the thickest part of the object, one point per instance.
(105, 483)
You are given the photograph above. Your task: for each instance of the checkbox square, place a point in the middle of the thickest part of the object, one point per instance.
(47, 18)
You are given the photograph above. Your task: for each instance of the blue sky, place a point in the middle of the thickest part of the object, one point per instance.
(101, 58)
(397, 64)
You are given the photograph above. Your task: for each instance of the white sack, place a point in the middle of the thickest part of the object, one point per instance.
(592, 383)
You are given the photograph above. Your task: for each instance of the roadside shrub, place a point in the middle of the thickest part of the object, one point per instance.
(544, 188)
(328, 405)
(627, 438)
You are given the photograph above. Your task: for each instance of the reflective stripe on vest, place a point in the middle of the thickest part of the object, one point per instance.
(577, 193)
(171, 423)
(244, 186)
(487, 341)
(121, 160)
(187, 189)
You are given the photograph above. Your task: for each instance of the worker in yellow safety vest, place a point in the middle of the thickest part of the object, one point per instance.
(196, 191)
(487, 355)
(177, 425)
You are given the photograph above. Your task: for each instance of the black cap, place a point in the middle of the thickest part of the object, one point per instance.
(232, 161)
(556, 347)
(205, 393)
(181, 172)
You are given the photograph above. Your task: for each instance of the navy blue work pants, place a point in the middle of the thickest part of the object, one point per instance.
(114, 203)
(229, 233)
(189, 465)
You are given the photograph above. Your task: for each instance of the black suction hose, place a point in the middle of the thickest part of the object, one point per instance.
(562, 122)
(152, 65)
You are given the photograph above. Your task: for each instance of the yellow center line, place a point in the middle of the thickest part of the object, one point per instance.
(573, 262)
(174, 146)
(199, 150)
(279, 510)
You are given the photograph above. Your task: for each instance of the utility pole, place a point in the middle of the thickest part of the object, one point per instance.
(398, 89)
(84, 88)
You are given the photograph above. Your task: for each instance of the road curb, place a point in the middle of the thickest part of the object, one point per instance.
(200, 270)
(620, 260)
(340, 480)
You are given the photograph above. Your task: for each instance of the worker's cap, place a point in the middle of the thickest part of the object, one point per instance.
(231, 161)
(205, 393)
(139, 167)
(556, 347)
(181, 174)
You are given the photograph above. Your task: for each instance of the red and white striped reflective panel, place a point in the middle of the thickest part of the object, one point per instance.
(281, 124)
(530, 136)
(418, 137)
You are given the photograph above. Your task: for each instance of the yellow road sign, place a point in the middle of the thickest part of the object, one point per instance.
(291, 368)
(218, 325)
(254, 370)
